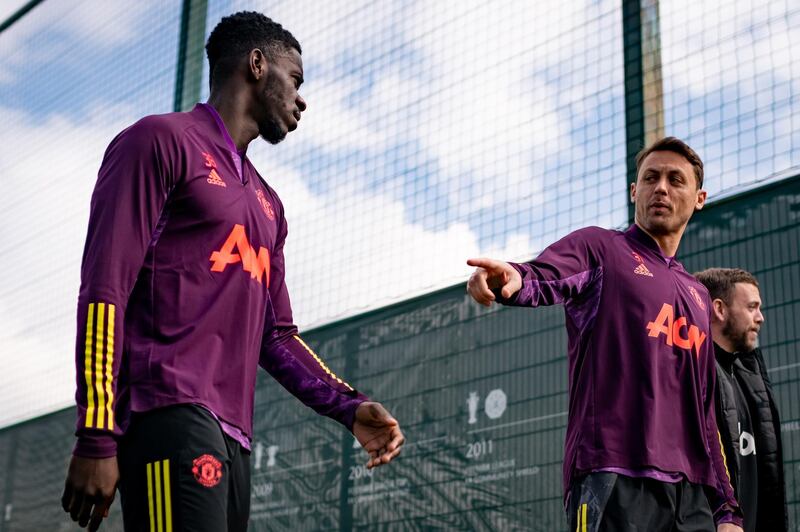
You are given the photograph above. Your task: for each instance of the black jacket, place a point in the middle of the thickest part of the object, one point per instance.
(749, 370)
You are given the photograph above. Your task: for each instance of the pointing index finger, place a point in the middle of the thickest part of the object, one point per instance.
(481, 262)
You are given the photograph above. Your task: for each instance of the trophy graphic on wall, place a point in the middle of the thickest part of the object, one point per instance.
(472, 406)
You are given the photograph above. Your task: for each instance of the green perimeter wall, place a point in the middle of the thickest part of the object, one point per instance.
(481, 395)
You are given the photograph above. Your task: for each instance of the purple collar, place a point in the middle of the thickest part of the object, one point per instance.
(236, 156)
(638, 234)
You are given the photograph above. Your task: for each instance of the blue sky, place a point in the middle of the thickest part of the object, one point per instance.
(435, 131)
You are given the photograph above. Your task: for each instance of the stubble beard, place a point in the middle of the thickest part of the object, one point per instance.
(738, 339)
(270, 128)
(271, 131)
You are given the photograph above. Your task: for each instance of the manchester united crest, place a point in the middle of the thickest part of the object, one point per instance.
(265, 204)
(207, 470)
(697, 298)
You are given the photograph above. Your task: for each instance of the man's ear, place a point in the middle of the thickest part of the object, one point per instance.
(701, 200)
(257, 63)
(719, 310)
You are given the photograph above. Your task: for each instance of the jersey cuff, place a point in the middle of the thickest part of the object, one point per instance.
(728, 516)
(348, 415)
(95, 446)
(514, 299)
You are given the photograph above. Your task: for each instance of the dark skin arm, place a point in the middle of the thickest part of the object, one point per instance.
(378, 433)
(89, 489)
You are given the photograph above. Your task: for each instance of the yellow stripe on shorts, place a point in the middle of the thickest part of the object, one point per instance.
(150, 496)
(159, 496)
(585, 508)
(167, 498)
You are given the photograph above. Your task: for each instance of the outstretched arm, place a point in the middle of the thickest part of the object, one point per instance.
(562, 271)
(299, 369)
(306, 377)
(492, 275)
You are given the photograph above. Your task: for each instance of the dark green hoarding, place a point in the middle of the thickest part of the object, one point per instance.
(481, 395)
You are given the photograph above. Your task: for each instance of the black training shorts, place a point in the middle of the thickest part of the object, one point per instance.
(180, 472)
(607, 502)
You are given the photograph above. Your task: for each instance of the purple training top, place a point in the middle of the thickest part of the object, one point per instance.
(182, 287)
(641, 360)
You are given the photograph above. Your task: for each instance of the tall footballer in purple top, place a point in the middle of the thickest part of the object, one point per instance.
(183, 295)
(642, 451)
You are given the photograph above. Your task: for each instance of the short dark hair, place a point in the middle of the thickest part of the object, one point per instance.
(675, 145)
(236, 35)
(720, 281)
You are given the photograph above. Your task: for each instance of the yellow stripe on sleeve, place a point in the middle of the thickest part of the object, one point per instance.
(167, 498)
(158, 497)
(87, 366)
(110, 367)
(321, 363)
(98, 366)
(578, 525)
(724, 458)
(150, 496)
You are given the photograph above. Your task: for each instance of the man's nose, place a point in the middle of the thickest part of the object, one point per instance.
(301, 103)
(662, 184)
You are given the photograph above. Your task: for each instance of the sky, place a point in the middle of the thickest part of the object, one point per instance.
(436, 131)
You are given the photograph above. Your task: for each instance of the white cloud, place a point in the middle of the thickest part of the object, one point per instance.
(104, 25)
(351, 251)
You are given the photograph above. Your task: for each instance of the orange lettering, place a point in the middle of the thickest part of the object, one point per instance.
(696, 338)
(666, 324)
(662, 323)
(683, 343)
(225, 255)
(257, 265)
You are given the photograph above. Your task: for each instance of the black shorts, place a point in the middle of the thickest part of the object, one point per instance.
(609, 502)
(180, 472)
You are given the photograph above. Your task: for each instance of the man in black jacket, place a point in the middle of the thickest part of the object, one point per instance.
(746, 411)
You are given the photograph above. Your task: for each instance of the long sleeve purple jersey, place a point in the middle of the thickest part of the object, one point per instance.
(182, 286)
(641, 360)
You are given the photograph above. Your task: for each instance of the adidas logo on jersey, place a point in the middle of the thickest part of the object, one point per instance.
(213, 176)
(641, 269)
(215, 179)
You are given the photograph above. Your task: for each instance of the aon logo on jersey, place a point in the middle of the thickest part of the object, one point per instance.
(676, 332)
(237, 249)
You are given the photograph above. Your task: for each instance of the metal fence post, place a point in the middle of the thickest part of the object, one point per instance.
(189, 71)
(644, 101)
